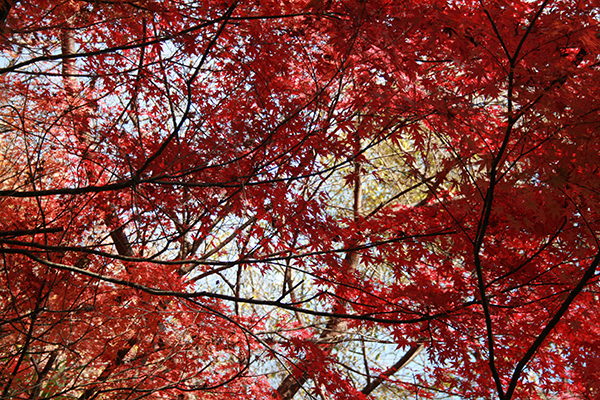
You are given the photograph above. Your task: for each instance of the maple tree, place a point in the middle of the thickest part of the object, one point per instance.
(299, 199)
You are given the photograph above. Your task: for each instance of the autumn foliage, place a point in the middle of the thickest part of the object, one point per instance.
(276, 199)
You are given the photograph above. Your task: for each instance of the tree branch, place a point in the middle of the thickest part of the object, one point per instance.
(410, 355)
(564, 307)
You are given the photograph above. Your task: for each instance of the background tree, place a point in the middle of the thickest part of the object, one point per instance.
(289, 199)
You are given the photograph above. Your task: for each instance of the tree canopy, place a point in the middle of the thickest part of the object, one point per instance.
(277, 199)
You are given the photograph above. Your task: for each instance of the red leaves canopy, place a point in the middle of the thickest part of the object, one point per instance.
(277, 198)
